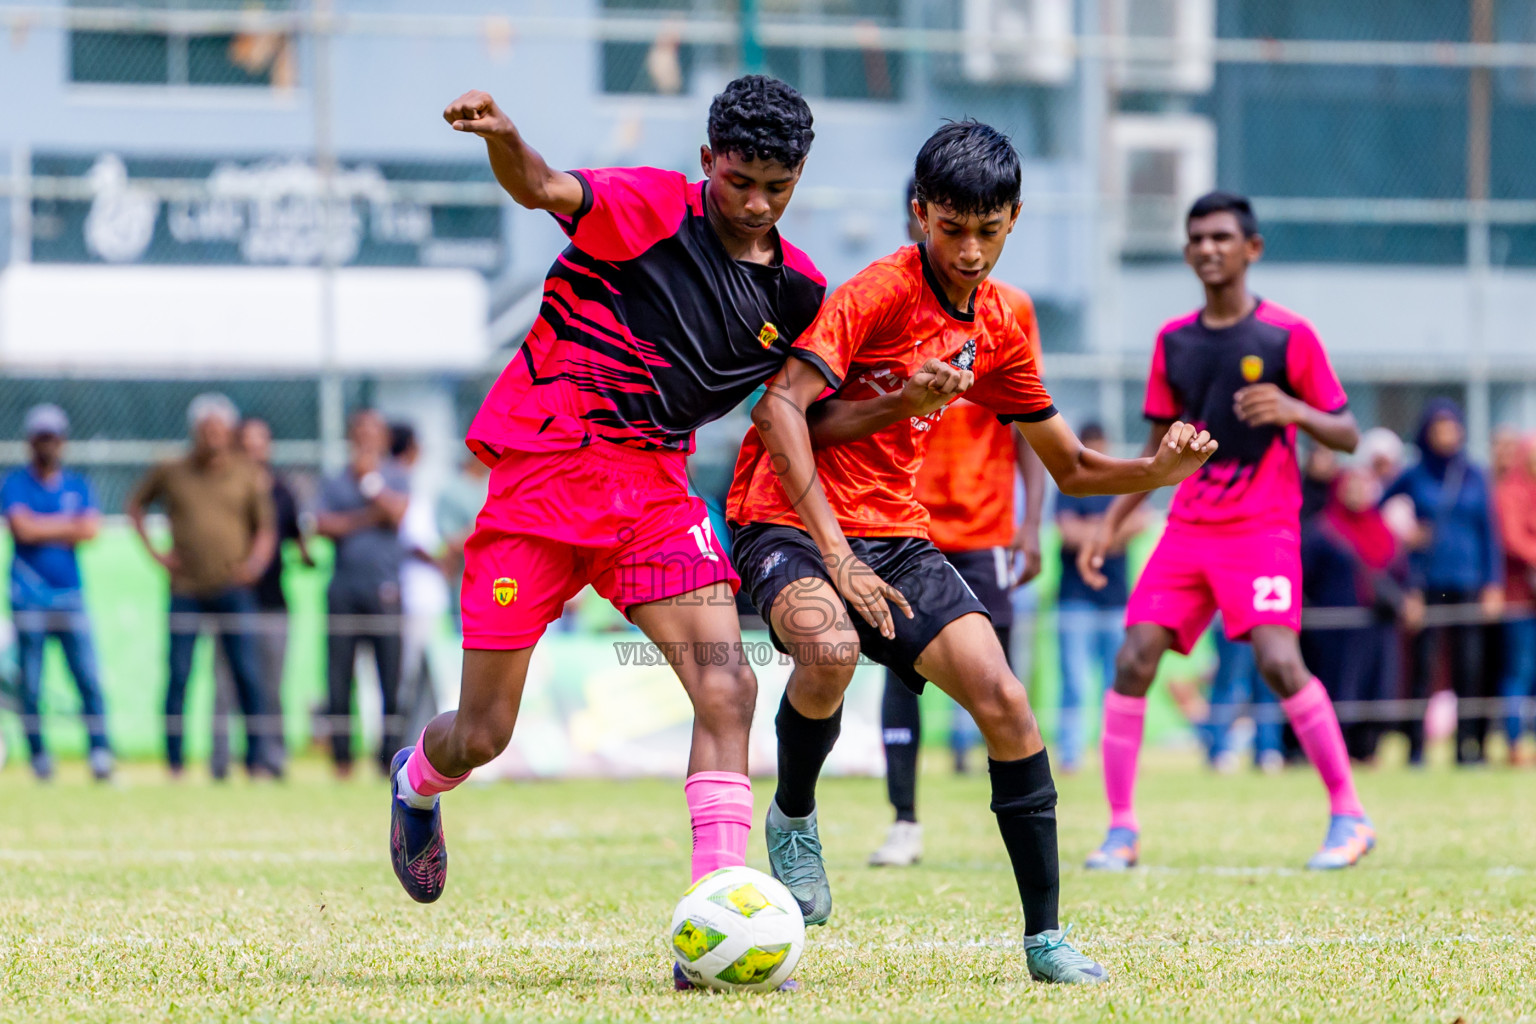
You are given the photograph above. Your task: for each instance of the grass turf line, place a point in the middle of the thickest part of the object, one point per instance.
(197, 902)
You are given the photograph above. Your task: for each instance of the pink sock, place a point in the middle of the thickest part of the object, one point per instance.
(425, 779)
(1121, 746)
(720, 807)
(1317, 729)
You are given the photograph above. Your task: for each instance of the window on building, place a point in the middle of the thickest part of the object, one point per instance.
(172, 58)
(667, 65)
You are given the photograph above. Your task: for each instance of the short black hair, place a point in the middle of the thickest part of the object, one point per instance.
(761, 118)
(968, 167)
(402, 438)
(1226, 202)
(1093, 430)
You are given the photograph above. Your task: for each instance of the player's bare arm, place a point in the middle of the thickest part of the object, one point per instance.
(1079, 470)
(780, 418)
(836, 421)
(519, 168)
(1026, 541)
(1265, 405)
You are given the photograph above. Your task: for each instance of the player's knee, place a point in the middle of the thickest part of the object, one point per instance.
(725, 697)
(1135, 666)
(1282, 670)
(481, 741)
(824, 670)
(1000, 706)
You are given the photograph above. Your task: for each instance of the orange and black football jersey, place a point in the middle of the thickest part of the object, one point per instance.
(966, 481)
(871, 336)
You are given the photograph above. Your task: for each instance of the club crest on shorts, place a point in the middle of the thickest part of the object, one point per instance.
(1252, 367)
(768, 335)
(771, 560)
(966, 357)
(505, 590)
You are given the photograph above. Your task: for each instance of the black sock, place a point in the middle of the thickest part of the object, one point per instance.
(804, 744)
(1024, 800)
(901, 724)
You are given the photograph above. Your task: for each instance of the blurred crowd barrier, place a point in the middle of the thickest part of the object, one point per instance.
(257, 197)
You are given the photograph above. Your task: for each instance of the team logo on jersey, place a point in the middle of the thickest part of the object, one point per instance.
(966, 357)
(505, 590)
(1252, 367)
(768, 335)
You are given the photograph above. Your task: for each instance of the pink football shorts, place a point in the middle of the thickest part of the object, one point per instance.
(1249, 573)
(618, 518)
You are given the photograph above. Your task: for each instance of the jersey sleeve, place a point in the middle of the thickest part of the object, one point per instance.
(1310, 373)
(1012, 388)
(10, 492)
(857, 311)
(625, 210)
(807, 291)
(1160, 403)
(1023, 308)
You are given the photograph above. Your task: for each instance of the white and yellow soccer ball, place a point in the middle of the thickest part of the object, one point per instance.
(739, 930)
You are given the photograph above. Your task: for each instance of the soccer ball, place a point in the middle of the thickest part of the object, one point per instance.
(737, 929)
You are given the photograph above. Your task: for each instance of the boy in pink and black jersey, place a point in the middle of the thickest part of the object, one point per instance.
(1254, 374)
(674, 300)
(672, 303)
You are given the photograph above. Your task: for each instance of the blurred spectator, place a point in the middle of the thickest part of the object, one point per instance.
(1351, 559)
(1456, 558)
(1515, 498)
(360, 509)
(254, 439)
(50, 510)
(1317, 475)
(458, 504)
(1236, 688)
(423, 590)
(222, 537)
(1380, 451)
(1090, 623)
(1505, 450)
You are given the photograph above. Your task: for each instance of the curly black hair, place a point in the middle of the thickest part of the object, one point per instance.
(761, 118)
(969, 167)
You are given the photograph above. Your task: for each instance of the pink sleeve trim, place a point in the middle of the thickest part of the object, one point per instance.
(798, 261)
(628, 210)
(1307, 365)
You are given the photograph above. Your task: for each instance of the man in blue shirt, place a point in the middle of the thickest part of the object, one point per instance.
(50, 510)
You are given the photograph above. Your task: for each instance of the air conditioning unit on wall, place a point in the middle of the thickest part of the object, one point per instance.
(1183, 31)
(1018, 41)
(1158, 164)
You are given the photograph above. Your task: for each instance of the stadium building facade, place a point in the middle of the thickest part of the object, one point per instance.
(167, 165)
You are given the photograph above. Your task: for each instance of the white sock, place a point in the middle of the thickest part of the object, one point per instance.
(409, 796)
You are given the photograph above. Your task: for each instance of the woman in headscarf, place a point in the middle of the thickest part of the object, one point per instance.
(1456, 560)
(1515, 499)
(1351, 560)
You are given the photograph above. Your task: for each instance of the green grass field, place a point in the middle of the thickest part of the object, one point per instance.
(195, 903)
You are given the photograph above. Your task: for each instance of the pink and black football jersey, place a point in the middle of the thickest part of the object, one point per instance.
(648, 329)
(1197, 371)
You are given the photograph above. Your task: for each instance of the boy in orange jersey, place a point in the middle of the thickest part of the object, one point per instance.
(967, 485)
(827, 541)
